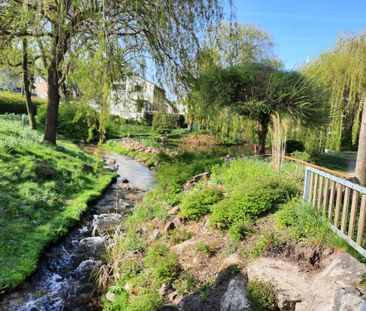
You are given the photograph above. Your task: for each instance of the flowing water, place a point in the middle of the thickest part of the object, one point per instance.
(65, 276)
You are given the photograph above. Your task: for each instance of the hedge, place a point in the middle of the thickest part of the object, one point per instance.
(15, 103)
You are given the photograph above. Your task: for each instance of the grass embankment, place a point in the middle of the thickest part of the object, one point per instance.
(43, 191)
(222, 216)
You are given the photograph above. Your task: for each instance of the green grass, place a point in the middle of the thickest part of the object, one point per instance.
(336, 160)
(43, 191)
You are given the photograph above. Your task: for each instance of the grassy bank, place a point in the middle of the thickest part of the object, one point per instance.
(226, 207)
(43, 191)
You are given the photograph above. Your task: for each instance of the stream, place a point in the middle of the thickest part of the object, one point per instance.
(65, 276)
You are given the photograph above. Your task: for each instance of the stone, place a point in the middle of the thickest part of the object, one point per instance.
(173, 210)
(111, 161)
(235, 296)
(125, 180)
(106, 223)
(110, 296)
(165, 290)
(169, 226)
(194, 180)
(93, 245)
(177, 222)
(231, 261)
(336, 287)
(155, 234)
(173, 296)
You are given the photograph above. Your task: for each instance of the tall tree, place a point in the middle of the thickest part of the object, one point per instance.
(165, 31)
(257, 92)
(343, 71)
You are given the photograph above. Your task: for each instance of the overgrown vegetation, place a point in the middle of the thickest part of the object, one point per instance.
(262, 296)
(43, 191)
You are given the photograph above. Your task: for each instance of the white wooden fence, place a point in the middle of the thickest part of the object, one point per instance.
(341, 201)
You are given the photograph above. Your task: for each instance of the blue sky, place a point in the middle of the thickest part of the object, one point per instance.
(303, 28)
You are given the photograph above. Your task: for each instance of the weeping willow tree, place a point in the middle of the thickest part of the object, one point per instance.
(255, 92)
(342, 70)
(164, 31)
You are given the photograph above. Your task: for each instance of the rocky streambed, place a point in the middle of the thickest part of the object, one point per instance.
(65, 278)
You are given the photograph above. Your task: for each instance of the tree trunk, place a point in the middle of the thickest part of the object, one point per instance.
(26, 85)
(53, 102)
(262, 130)
(361, 151)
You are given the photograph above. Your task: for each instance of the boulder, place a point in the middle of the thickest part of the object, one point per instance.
(194, 180)
(155, 234)
(169, 226)
(106, 223)
(111, 162)
(336, 287)
(235, 297)
(92, 245)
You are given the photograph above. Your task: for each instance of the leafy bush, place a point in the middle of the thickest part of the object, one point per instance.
(74, 121)
(250, 200)
(185, 284)
(165, 121)
(179, 236)
(197, 203)
(301, 155)
(262, 295)
(305, 222)
(205, 248)
(15, 103)
(162, 262)
(294, 145)
(240, 230)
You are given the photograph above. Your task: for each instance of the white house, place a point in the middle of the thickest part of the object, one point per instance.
(135, 96)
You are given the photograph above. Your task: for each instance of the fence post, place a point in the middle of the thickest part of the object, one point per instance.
(307, 184)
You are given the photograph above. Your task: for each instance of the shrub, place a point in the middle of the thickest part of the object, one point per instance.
(241, 229)
(185, 284)
(301, 155)
(179, 236)
(162, 262)
(205, 248)
(74, 121)
(262, 295)
(197, 203)
(294, 145)
(15, 103)
(250, 200)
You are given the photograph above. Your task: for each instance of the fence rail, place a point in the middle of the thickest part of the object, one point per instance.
(342, 202)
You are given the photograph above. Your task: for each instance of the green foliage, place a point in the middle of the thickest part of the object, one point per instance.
(254, 91)
(250, 200)
(196, 204)
(205, 248)
(75, 121)
(162, 262)
(15, 103)
(240, 229)
(294, 145)
(305, 223)
(268, 239)
(262, 295)
(117, 128)
(185, 284)
(43, 191)
(302, 155)
(164, 121)
(179, 236)
(172, 175)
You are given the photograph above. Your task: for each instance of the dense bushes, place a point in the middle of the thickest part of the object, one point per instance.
(294, 145)
(15, 103)
(250, 200)
(75, 121)
(196, 204)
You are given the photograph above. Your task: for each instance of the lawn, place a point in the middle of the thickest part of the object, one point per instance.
(43, 191)
(338, 161)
